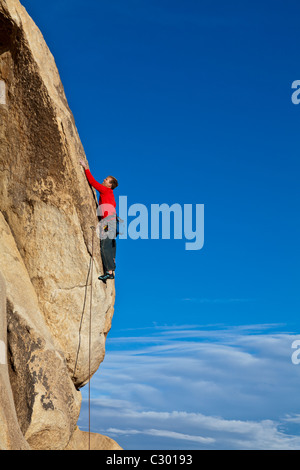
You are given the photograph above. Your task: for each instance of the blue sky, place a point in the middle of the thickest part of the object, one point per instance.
(190, 103)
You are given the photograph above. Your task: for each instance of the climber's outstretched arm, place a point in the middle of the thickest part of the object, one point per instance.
(82, 163)
(99, 187)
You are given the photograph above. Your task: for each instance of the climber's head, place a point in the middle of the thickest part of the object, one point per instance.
(110, 182)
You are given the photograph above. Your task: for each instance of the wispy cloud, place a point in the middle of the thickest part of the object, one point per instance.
(162, 433)
(203, 300)
(195, 387)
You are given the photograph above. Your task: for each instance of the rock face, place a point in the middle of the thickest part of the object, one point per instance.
(11, 436)
(46, 212)
(85, 441)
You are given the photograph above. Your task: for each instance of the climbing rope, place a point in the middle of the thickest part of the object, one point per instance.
(90, 270)
(90, 336)
(81, 320)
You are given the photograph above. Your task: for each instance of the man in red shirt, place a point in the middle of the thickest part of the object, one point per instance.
(108, 221)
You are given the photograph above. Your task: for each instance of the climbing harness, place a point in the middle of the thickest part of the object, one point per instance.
(90, 270)
(108, 227)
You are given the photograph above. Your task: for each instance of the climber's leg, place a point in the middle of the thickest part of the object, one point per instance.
(114, 250)
(108, 247)
(108, 258)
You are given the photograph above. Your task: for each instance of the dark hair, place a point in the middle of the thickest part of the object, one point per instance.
(114, 182)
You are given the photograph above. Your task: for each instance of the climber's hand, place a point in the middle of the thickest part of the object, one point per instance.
(82, 163)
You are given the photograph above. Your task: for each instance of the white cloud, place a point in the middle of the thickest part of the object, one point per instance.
(236, 387)
(162, 433)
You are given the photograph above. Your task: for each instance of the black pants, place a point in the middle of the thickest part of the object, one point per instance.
(108, 253)
(108, 245)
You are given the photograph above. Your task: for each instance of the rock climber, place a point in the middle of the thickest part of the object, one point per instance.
(108, 221)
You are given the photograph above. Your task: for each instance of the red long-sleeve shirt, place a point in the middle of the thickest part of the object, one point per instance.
(106, 199)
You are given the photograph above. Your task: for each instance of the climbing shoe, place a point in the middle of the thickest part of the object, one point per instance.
(106, 276)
